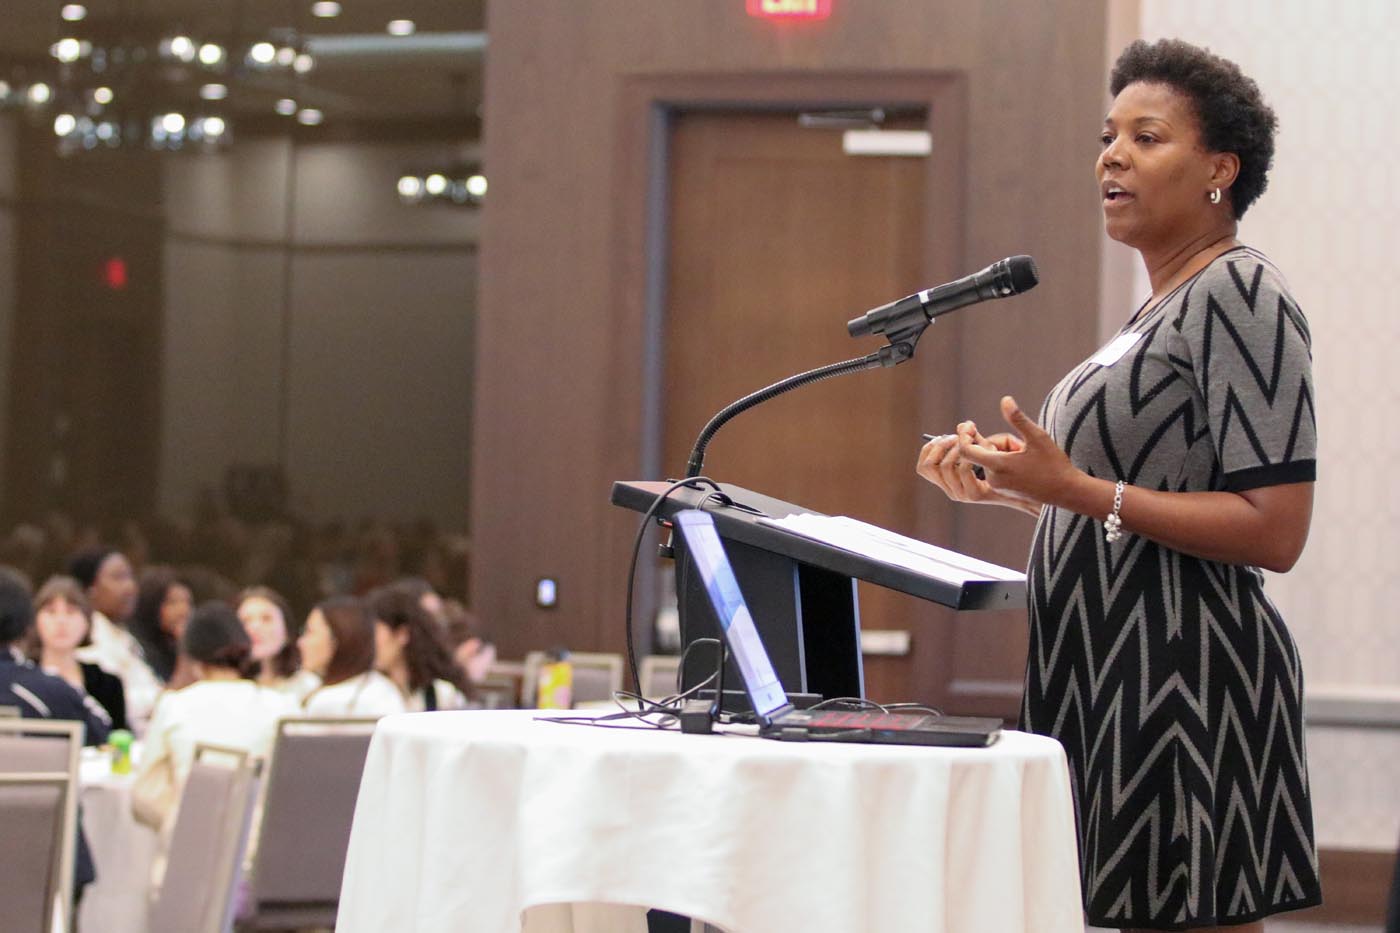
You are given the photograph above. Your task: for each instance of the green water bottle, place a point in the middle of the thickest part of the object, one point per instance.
(120, 740)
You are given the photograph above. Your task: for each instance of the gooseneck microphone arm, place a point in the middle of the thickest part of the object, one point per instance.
(901, 323)
(901, 348)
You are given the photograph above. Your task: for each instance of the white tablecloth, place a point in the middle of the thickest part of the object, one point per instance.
(122, 850)
(466, 819)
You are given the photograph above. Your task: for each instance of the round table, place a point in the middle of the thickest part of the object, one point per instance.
(484, 820)
(122, 850)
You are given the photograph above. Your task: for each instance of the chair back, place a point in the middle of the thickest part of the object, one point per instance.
(39, 761)
(308, 804)
(596, 677)
(207, 844)
(31, 810)
(658, 675)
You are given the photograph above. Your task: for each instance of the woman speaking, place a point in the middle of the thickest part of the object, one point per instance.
(1164, 471)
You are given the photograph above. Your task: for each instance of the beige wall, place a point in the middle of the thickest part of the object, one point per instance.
(375, 370)
(1330, 219)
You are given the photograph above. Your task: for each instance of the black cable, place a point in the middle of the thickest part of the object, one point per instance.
(689, 482)
(668, 707)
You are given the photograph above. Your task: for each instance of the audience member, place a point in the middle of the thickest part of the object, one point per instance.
(110, 585)
(221, 707)
(410, 648)
(276, 662)
(61, 626)
(163, 604)
(43, 696)
(338, 646)
(471, 649)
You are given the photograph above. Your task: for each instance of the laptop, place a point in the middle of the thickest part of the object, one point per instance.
(777, 718)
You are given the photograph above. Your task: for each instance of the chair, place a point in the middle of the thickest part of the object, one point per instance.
(658, 675)
(501, 689)
(308, 804)
(595, 677)
(207, 843)
(39, 810)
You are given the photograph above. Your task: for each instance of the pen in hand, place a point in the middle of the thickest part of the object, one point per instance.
(977, 470)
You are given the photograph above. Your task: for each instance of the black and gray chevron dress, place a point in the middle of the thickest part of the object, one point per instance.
(1172, 681)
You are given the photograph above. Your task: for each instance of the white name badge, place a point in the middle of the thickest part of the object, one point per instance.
(1114, 351)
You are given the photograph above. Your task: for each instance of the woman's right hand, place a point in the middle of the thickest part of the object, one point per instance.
(941, 463)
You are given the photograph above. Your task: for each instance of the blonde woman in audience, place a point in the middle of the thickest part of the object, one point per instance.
(338, 646)
(276, 662)
(411, 649)
(62, 622)
(110, 586)
(222, 707)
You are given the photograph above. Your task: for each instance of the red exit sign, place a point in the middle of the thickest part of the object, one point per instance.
(789, 9)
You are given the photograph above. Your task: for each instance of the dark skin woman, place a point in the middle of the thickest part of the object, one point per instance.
(1162, 472)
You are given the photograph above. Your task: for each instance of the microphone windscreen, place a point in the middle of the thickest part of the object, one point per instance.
(1024, 276)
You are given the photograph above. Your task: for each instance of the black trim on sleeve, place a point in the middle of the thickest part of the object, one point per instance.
(1272, 474)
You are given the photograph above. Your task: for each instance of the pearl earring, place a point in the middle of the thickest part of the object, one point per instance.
(1215, 195)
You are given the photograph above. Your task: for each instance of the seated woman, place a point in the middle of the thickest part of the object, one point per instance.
(62, 625)
(163, 604)
(411, 649)
(276, 662)
(338, 646)
(221, 707)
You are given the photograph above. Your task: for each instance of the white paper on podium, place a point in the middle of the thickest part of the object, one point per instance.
(881, 544)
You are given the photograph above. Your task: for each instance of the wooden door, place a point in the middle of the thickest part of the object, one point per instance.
(776, 239)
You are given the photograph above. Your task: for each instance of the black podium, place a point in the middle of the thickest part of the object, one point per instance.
(801, 591)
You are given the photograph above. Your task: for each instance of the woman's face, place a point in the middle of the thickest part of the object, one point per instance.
(266, 627)
(60, 624)
(175, 610)
(317, 644)
(388, 646)
(1154, 173)
(113, 591)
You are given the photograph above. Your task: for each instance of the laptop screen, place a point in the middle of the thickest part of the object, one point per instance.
(765, 692)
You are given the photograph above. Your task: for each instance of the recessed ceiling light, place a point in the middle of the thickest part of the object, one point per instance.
(325, 9)
(401, 27)
(211, 54)
(286, 106)
(39, 93)
(183, 48)
(173, 123)
(214, 126)
(213, 91)
(303, 63)
(263, 53)
(72, 12)
(102, 95)
(286, 55)
(67, 50)
(64, 123)
(310, 117)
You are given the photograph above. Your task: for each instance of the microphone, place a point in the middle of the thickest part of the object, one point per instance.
(1001, 279)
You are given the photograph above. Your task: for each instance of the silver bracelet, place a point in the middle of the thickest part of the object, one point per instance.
(1113, 525)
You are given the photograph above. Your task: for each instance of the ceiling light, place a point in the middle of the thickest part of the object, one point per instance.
(214, 126)
(263, 53)
(72, 12)
(106, 131)
(213, 91)
(39, 93)
(183, 48)
(211, 54)
(286, 55)
(325, 9)
(310, 117)
(401, 27)
(476, 186)
(435, 183)
(103, 95)
(410, 187)
(64, 123)
(303, 63)
(286, 106)
(67, 50)
(173, 123)
(4, 89)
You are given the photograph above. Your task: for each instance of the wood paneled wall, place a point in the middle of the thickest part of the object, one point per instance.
(558, 393)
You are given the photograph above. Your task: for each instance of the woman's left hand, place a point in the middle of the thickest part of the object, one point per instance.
(1039, 471)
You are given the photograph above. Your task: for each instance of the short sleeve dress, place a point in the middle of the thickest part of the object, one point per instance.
(1171, 680)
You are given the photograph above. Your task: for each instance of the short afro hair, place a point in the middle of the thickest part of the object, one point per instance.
(1228, 105)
